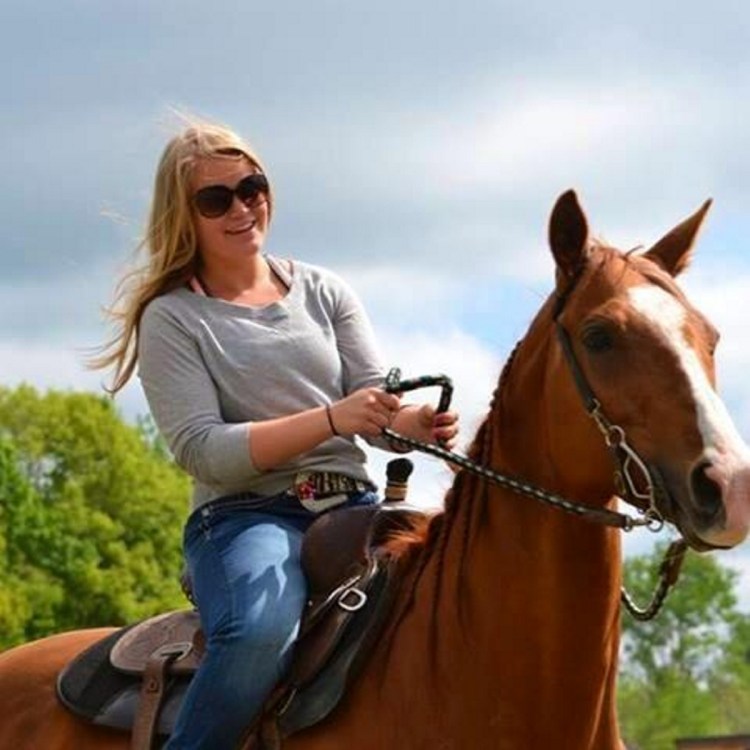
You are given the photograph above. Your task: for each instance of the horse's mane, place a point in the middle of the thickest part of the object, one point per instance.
(423, 532)
(411, 549)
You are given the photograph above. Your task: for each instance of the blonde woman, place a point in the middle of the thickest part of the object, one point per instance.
(259, 372)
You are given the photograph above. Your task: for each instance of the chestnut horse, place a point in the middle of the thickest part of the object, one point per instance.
(505, 634)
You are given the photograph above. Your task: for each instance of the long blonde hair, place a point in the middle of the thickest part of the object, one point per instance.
(170, 239)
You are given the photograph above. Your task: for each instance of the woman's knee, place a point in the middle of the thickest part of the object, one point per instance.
(253, 660)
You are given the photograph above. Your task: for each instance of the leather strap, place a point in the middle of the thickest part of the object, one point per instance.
(152, 697)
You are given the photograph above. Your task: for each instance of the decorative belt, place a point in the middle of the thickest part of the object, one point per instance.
(316, 491)
(320, 490)
(326, 483)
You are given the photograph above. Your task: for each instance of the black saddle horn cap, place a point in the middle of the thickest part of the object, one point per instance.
(397, 473)
(399, 470)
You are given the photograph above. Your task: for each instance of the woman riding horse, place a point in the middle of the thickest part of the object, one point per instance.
(505, 630)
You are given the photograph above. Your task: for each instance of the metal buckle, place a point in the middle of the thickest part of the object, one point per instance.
(359, 596)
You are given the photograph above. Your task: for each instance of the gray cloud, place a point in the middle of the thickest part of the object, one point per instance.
(403, 134)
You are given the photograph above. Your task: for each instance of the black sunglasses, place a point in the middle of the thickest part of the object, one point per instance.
(215, 200)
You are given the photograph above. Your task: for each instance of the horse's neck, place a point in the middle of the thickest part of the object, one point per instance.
(525, 597)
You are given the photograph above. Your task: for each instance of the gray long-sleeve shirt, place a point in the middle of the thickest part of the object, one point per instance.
(209, 367)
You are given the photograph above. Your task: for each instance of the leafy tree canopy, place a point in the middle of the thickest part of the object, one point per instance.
(686, 672)
(91, 511)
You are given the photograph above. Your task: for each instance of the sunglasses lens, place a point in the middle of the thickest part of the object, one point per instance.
(251, 187)
(214, 201)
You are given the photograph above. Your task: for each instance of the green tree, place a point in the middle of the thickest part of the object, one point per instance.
(26, 593)
(686, 672)
(730, 683)
(92, 514)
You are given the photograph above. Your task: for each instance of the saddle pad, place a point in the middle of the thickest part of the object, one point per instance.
(88, 682)
(90, 687)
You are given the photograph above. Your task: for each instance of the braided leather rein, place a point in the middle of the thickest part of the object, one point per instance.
(600, 515)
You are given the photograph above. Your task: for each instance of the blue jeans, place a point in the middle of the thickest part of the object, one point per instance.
(247, 580)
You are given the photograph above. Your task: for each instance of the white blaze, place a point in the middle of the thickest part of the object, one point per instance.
(721, 441)
(728, 455)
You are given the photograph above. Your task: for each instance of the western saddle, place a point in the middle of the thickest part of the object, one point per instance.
(135, 679)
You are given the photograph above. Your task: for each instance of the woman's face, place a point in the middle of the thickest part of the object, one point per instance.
(242, 229)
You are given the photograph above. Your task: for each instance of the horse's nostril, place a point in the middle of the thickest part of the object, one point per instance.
(705, 492)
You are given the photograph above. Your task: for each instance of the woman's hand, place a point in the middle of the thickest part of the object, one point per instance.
(423, 423)
(364, 412)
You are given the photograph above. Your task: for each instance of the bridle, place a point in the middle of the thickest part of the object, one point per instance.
(631, 471)
(628, 463)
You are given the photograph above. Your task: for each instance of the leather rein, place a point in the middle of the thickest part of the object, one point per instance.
(631, 471)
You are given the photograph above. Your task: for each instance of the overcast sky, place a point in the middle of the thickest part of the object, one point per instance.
(414, 147)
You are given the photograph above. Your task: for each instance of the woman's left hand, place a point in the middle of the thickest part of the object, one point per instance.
(431, 427)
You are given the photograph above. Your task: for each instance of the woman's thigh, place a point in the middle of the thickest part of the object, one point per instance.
(246, 575)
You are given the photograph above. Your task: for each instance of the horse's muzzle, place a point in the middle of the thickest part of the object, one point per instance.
(719, 500)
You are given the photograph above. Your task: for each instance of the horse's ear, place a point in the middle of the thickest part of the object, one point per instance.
(672, 252)
(568, 236)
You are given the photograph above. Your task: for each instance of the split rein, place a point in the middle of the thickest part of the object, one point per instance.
(615, 439)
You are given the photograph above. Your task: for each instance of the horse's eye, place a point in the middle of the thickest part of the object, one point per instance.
(597, 339)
